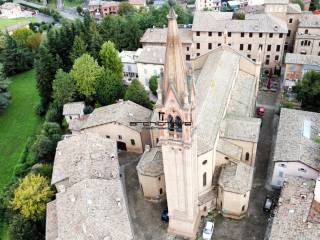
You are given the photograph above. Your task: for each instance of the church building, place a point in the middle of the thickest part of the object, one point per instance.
(209, 140)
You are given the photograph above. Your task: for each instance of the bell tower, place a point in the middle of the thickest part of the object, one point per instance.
(178, 138)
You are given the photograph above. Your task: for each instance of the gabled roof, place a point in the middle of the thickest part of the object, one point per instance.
(215, 86)
(122, 112)
(84, 156)
(152, 55)
(294, 58)
(212, 21)
(296, 137)
(159, 35)
(229, 149)
(73, 108)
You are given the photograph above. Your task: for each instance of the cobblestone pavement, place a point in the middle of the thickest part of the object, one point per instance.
(253, 227)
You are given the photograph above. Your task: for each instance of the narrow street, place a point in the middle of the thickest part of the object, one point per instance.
(253, 227)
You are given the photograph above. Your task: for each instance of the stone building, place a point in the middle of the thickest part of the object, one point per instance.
(73, 110)
(296, 65)
(10, 10)
(90, 202)
(130, 70)
(307, 38)
(296, 151)
(117, 122)
(297, 215)
(150, 63)
(203, 105)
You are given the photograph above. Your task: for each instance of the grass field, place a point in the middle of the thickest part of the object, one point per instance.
(17, 123)
(73, 3)
(5, 22)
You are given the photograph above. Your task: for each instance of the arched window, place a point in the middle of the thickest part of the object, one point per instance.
(160, 191)
(204, 179)
(306, 31)
(309, 43)
(170, 123)
(178, 124)
(247, 156)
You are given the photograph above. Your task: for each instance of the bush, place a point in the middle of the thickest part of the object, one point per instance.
(153, 84)
(22, 229)
(44, 170)
(54, 114)
(88, 109)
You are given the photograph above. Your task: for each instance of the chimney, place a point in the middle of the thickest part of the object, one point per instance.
(317, 190)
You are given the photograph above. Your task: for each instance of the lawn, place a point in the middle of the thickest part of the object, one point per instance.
(17, 123)
(73, 3)
(5, 22)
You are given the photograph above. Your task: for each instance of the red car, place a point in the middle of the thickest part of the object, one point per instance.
(260, 111)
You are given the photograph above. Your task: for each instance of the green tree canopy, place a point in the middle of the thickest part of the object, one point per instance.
(110, 88)
(15, 58)
(300, 2)
(4, 91)
(46, 67)
(308, 91)
(64, 88)
(21, 35)
(34, 41)
(86, 73)
(153, 84)
(110, 59)
(126, 8)
(24, 229)
(136, 93)
(79, 48)
(31, 196)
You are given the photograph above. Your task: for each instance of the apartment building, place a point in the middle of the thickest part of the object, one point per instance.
(307, 37)
(263, 31)
(212, 5)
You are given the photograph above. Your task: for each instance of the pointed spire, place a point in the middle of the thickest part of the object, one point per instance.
(174, 69)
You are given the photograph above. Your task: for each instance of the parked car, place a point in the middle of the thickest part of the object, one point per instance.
(260, 111)
(208, 231)
(165, 215)
(268, 205)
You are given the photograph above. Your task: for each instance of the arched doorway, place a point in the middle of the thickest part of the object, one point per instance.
(121, 146)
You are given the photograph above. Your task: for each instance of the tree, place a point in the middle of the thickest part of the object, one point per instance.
(111, 29)
(300, 2)
(4, 91)
(308, 91)
(86, 73)
(136, 93)
(314, 5)
(110, 59)
(126, 8)
(21, 35)
(15, 58)
(110, 88)
(34, 41)
(153, 84)
(95, 46)
(79, 48)
(46, 67)
(131, 35)
(24, 229)
(43, 149)
(31, 196)
(64, 88)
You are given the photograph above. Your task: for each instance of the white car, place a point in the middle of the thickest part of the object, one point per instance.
(208, 231)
